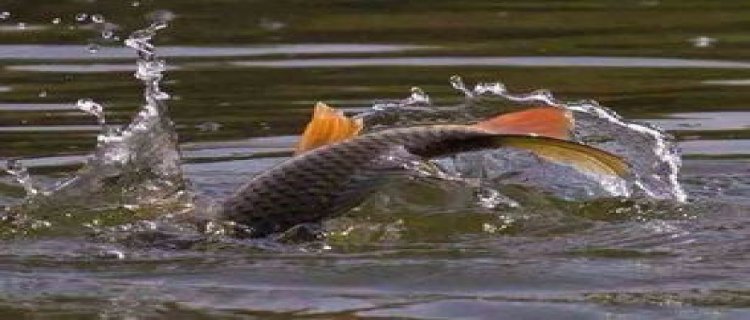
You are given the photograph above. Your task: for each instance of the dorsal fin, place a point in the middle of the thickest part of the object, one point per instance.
(544, 121)
(327, 126)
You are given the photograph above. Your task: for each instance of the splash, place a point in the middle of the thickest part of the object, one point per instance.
(132, 165)
(652, 153)
(14, 168)
(139, 163)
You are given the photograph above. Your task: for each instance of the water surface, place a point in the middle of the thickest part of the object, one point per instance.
(243, 77)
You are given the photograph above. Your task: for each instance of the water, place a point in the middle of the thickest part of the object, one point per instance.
(240, 80)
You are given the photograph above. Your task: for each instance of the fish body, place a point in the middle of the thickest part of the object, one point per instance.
(328, 180)
(330, 176)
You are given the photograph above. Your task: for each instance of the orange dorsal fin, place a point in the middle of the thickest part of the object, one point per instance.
(327, 126)
(544, 121)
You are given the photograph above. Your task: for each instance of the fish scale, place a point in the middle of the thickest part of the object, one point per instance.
(334, 176)
(309, 187)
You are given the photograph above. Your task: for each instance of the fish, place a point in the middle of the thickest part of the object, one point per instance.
(336, 166)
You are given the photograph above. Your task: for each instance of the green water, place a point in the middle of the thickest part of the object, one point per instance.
(255, 68)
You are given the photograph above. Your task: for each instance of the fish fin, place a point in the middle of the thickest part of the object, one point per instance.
(544, 121)
(580, 156)
(544, 131)
(327, 126)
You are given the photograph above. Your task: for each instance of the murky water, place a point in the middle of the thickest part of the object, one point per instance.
(533, 241)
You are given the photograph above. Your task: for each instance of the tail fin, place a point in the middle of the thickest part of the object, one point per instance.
(544, 121)
(544, 131)
(327, 126)
(580, 156)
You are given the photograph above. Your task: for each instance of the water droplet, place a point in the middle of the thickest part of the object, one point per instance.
(271, 25)
(97, 18)
(19, 172)
(4, 15)
(56, 21)
(490, 198)
(43, 94)
(21, 26)
(703, 41)
(135, 3)
(418, 96)
(93, 48)
(113, 254)
(107, 34)
(545, 96)
(209, 126)
(162, 17)
(80, 17)
(458, 84)
(89, 106)
(495, 88)
(489, 228)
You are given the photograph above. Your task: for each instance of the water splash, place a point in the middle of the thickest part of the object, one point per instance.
(135, 164)
(97, 18)
(497, 89)
(89, 106)
(16, 169)
(417, 100)
(652, 153)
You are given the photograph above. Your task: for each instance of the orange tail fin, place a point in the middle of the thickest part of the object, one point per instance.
(544, 121)
(545, 131)
(327, 126)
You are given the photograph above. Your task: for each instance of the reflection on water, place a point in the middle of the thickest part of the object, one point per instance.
(49, 128)
(76, 68)
(717, 147)
(733, 82)
(244, 77)
(699, 121)
(77, 52)
(499, 62)
(35, 107)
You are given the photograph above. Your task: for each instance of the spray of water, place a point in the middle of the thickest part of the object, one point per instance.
(652, 153)
(139, 163)
(14, 168)
(132, 165)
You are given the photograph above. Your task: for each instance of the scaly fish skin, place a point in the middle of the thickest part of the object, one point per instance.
(334, 169)
(329, 180)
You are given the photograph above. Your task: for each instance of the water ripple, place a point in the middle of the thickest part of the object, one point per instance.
(581, 61)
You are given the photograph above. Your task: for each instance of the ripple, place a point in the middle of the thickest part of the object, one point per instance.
(22, 28)
(499, 61)
(78, 68)
(54, 161)
(77, 52)
(727, 82)
(36, 107)
(56, 128)
(716, 147)
(701, 121)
